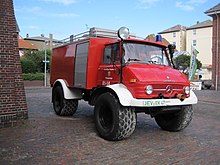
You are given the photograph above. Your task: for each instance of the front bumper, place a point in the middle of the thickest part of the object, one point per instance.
(126, 99)
(163, 102)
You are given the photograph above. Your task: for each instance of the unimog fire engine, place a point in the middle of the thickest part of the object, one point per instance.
(120, 75)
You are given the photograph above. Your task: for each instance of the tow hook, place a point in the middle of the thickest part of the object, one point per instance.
(181, 97)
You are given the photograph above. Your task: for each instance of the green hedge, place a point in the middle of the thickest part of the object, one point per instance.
(31, 76)
(28, 66)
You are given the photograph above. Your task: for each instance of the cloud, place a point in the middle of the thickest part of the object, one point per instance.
(196, 2)
(33, 27)
(63, 15)
(184, 7)
(65, 2)
(34, 9)
(146, 3)
(189, 5)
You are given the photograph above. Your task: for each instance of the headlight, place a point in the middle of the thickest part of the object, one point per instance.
(187, 90)
(149, 89)
(123, 33)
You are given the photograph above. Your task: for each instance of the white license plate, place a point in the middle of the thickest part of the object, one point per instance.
(155, 103)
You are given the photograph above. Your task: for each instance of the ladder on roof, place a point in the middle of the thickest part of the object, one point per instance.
(93, 32)
(102, 33)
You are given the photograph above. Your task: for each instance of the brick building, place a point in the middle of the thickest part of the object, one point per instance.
(214, 12)
(13, 105)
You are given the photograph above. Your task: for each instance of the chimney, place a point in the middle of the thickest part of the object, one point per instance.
(51, 40)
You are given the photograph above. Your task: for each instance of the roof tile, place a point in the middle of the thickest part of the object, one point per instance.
(174, 29)
(207, 23)
(213, 10)
(22, 44)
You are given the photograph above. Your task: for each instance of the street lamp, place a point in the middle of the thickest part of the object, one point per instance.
(45, 64)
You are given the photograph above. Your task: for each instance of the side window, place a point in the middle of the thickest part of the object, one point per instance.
(111, 54)
(107, 55)
(116, 53)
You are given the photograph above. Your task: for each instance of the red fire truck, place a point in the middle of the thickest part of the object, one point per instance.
(120, 75)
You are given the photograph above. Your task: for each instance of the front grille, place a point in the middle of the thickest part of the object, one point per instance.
(159, 91)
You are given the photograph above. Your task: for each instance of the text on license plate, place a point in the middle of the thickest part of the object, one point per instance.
(155, 103)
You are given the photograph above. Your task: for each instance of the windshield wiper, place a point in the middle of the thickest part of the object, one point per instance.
(133, 59)
(152, 62)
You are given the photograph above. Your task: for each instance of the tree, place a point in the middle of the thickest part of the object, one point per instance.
(182, 63)
(37, 58)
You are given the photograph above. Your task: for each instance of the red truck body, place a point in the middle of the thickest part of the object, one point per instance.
(99, 74)
(121, 77)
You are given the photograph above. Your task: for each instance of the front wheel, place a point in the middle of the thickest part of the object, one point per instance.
(175, 121)
(62, 106)
(113, 121)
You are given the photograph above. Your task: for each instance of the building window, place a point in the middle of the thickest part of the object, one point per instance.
(194, 31)
(174, 34)
(194, 43)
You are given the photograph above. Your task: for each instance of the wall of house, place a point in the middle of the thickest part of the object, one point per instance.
(179, 38)
(203, 38)
(182, 40)
(13, 105)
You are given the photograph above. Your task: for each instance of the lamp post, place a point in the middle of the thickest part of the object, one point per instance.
(45, 64)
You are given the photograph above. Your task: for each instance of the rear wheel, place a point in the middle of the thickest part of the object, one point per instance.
(175, 121)
(113, 121)
(62, 106)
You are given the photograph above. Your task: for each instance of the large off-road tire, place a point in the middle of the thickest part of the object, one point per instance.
(175, 121)
(113, 121)
(62, 106)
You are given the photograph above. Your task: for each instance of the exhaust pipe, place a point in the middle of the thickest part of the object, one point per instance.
(181, 97)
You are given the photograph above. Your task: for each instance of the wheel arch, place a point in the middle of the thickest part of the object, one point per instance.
(98, 91)
(69, 93)
(119, 90)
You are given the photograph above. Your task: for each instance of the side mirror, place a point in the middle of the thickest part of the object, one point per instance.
(171, 49)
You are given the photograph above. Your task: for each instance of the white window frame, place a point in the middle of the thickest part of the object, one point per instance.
(194, 43)
(194, 31)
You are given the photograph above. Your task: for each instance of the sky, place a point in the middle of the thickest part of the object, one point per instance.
(63, 18)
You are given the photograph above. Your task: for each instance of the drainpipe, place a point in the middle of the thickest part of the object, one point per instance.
(217, 56)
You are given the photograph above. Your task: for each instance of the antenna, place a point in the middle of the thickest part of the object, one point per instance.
(87, 27)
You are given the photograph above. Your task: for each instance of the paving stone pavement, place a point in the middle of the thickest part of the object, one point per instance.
(49, 139)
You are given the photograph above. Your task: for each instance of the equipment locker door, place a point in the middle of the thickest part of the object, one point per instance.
(81, 65)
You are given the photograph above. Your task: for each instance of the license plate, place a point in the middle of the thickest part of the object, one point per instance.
(155, 103)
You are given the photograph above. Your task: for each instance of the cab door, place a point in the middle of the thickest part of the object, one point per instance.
(109, 70)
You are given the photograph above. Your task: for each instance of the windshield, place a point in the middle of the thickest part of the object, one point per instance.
(143, 53)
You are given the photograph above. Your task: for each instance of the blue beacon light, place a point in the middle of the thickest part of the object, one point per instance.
(158, 38)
